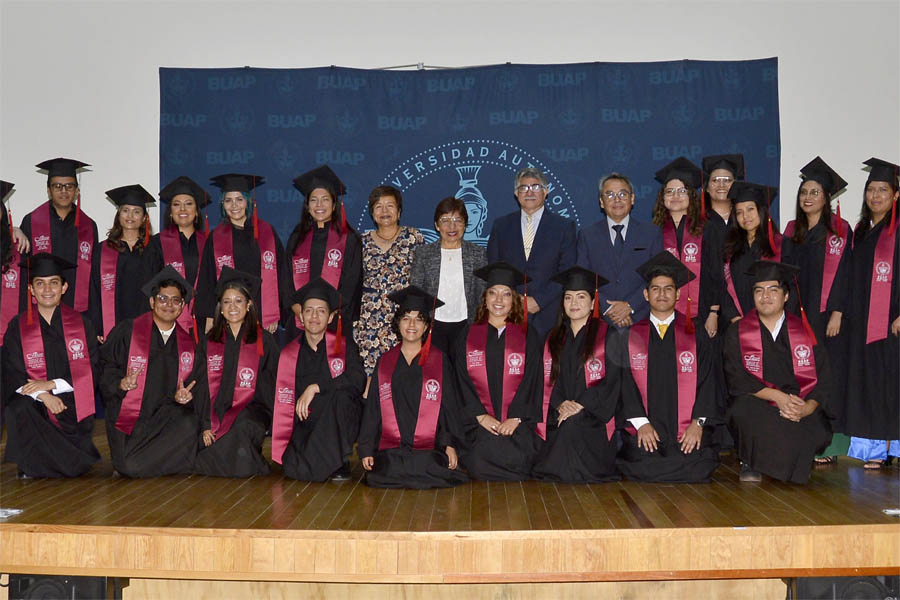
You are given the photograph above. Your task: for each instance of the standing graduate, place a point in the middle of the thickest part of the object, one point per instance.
(146, 385)
(117, 272)
(670, 379)
(720, 171)
(319, 386)
(411, 420)
(49, 368)
(818, 242)
(322, 245)
(499, 369)
(60, 227)
(582, 379)
(181, 241)
(779, 381)
(236, 365)
(10, 271)
(244, 242)
(872, 413)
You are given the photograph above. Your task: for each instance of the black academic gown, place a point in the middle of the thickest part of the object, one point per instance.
(579, 451)
(873, 383)
(321, 444)
(668, 464)
(154, 260)
(769, 443)
(246, 259)
(498, 457)
(34, 443)
(64, 242)
(164, 438)
(349, 284)
(809, 255)
(238, 453)
(406, 467)
(129, 299)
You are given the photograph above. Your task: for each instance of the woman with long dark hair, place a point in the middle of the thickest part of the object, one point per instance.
(872, 413)
(499, 368)
(118, 262)
(236, 364)
(582, 380)
(323, 245)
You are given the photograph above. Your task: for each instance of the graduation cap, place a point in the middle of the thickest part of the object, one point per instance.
(237, 182)
(882, 171)
(818, 170)
(502, 273)
(168, 273)
(318, 289)
(769, 270)
(44, 264)
(730, 162)
(61, 167)
(320, 177)
(667, 265)
(131, 195)
(229, 275)
(414, 298)
(580, 279)
(683, 169)
(5, 188)
(184, 185)
(743, 191)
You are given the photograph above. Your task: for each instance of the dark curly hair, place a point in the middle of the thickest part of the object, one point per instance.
(661, 213)
(516, 314)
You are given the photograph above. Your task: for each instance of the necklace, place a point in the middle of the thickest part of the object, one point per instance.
(388, 239)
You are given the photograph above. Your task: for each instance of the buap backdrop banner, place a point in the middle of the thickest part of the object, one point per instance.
(465, 132)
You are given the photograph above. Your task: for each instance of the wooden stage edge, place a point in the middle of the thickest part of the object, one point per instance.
(451, 556)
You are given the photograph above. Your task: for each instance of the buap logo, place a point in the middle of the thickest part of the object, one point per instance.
(10, 279)
(247, 376)
(686, 359)
(284, 155)
(237, 119)
(620, 154)
(432, 389)
(76, 348)
(691, 252)
(515, 362)
(334, 257)
(337, 366)
(595, 366)
(802, 352)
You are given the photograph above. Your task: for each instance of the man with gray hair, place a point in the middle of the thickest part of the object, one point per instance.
(516, 238)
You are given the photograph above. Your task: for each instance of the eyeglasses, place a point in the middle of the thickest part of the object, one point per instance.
(448, 220)
(621, 195)
(676, 192)
(169, 300)
(534, 187)
(722, 180)
(58, 187)
(814, 193)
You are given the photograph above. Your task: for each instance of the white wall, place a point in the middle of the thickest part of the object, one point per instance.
(80, 79)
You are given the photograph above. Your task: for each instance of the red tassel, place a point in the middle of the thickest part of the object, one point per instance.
(702, 197)
(29, 309)
(255, 221)
(596, 308)
(840, 222)
(426, 347)
(525, 313)
(771, 235)
(196, 335)
(146, 230)
(9, 214)
(688, 321)
(206, 223)
(343, 218)
(259, 341)
(806, 325)
(339, 334)
(78, 208)
(893, 217)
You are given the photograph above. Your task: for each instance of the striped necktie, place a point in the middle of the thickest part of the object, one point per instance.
(528, 241)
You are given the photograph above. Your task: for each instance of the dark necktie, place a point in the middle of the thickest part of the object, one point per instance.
(619, 244)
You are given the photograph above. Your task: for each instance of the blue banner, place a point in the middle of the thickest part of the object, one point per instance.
(465, 132)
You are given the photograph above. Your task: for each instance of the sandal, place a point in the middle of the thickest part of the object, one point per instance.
(873, 464)
(825, 460)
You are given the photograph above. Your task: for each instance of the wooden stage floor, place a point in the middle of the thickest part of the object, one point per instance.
(277, 529)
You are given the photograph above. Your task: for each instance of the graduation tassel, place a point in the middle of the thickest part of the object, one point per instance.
(29, 309)
(426, 347)
(893, 217)
(206, 222)
(196, 335)
(702, 198)
(78, 208)
(806, 325)
(343, 212)
(259, 341)
(688, 321)
(840, 222)
(146, 230)
(525, 307)
(255, 213)
(9, 214)
(771, 235)
(595, 311)
(339, 330)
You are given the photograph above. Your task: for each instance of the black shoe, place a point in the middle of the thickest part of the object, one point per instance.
(748, 475)
(342, 474)
(20, 474)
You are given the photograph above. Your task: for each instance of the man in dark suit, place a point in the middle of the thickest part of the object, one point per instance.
(537, 242)
(614, 247)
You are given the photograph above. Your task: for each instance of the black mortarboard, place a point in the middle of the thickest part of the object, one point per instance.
(743, 191)
(769, 270)
(5, 188)
(882, 171)
(237, 182)
(319, 289)
(320, 177)
(61, 167)
(665, 264)
(414, 298)
(132, 195)
(731, 162)
(578, 278)
(44, 264)
(168, 273)
(818, 170)
(502, 273)
(184, 185)
(680, 168)
(229, 275)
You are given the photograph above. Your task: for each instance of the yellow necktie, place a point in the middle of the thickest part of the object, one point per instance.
(662, 330)
(529, 235)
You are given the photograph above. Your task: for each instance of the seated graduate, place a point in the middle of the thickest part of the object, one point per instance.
(500, 381)
(410, 428)
(146, 385)
(49, 368)
(670, 383)
(778, 381)
(319, 386)
(234, 393)
(582, 379)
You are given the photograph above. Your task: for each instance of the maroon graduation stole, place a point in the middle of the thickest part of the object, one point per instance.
(594, 372)
(729, 282)
(429, 401)
(880, 294)
(690, 256)
(170, 242)
(285, 393)
(804, 361)
(834, 250)
(331, 268)
(513, 359)
(76, 350)
(109, 260)
(223, 252)
(244, 383)
(686, 366)
(11, 282)
(139, 358)
(41, 242)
